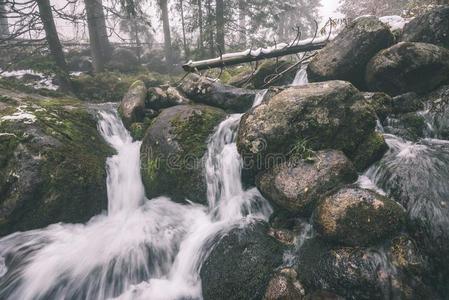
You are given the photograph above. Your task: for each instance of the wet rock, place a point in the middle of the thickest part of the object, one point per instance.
(163, 97)
(406, 103)
(123, 60)
(431, 27)
(415, 175)
(345, 58)
(358, 217)
(132, 107)
(437, 112)
(314, 116)
(173, 149)
(369, 151)
(241, 264)
(408, 67)
(411, 126)
(265, 73)
(380, 103)
(52, 162)
(353, 273)
(284, 285)
(204, 90)
(297, 184)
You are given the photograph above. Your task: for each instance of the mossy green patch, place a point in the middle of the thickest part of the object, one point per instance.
(369, 151)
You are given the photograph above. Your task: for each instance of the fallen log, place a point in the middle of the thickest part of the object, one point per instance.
(250, 55)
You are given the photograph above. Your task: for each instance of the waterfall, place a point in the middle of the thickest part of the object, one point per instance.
(140, 248)
(301, 76)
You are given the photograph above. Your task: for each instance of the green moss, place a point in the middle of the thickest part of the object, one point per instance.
(70, 169)
(18, 85)
(302, 150)
(369, 151)
(414, 124)
(191, 133)
(112, 86)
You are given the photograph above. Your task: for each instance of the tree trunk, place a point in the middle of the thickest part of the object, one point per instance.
(219, 15)
(167, 35)
(4, 29)
(200, 25)
(98, 37)
(231, 59)
(242, 23)
(210, 28)
(184, 41)
(54, 44)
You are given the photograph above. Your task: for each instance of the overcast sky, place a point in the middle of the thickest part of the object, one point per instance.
(329, 8)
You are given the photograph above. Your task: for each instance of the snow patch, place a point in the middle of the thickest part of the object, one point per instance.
(42, 81)
(20, 115)
(394, 22)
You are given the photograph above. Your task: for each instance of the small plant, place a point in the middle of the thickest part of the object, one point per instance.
(302, 150)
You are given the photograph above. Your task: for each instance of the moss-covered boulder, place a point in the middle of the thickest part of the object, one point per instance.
(431, 27)
(325, 115)
(204, 90)
(355, 272)
(406, 103)
(358, 217)
(52, 162)
(408, 67)
(345, 57)
(380, 103)
(369, 151)
(123, 60)
(173, 149)
(296, 185)
(241, 264)
(132, 107)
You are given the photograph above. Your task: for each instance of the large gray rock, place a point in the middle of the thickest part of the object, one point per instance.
(52, 162)
(362, 273)
(172, 152)
(358, 217)
(431, 27)
(296, 185)
(345, 58)
(315, 116)
(132, 107)
(408, 67)
(241, 264)
(204, 90)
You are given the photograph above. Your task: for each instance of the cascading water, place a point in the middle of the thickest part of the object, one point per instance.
(301, 76)
(140, 249)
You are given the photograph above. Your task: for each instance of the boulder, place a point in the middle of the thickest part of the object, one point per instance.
(314, 116)
(406, 103)
(263, 73)
(408, 67)
(369, 151)
(52, 162)
(284, 285)
(241, 264)
(123, 60)
(411, 126)
(358, 217)
(164, 97)
(355, 272)
(204, 90)
(345, 57)
(296, 185)
(132, 107)
(172, 152)
(431, 27)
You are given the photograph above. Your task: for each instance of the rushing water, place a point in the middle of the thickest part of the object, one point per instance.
(140, 248)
